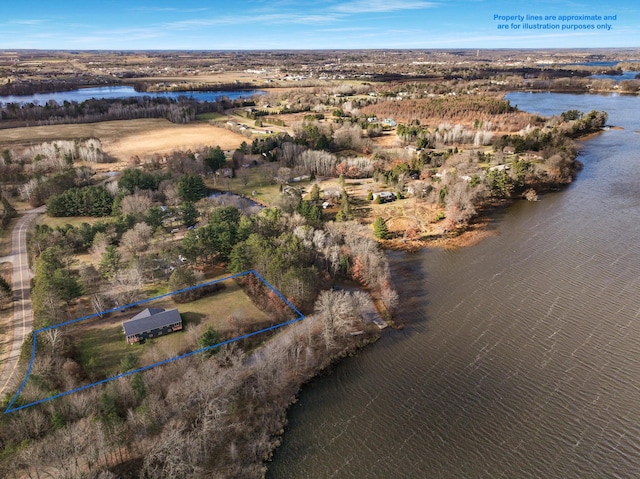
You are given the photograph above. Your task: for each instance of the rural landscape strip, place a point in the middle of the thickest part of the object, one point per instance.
(299, 317)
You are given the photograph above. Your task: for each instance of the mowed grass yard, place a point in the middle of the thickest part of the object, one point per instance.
(102, 346)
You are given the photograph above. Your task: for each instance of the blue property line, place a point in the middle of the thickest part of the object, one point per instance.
(143, 301)
(277, 292)
(160, 363)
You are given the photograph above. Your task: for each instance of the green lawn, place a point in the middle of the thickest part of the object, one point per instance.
(216, 309)
(155, 290)
(102, 349)
(210, 116)
(102, 345)
(265, 191)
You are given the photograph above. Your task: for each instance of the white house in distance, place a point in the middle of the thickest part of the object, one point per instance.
(385, 196)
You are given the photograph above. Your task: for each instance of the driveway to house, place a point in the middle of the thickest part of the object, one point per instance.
(22, 324)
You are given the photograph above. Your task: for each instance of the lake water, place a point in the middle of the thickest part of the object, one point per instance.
(617, 78)
(113, 92)
(521, 358)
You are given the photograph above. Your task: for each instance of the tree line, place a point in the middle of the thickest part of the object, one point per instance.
(87, 201)
(181, 110)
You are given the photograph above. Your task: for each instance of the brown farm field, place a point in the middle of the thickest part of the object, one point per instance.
(165, 137)
(125, 138)
(226, 77)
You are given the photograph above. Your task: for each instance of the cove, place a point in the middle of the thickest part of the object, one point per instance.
(521, 355)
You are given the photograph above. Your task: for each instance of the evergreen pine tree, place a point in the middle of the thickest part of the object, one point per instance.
(380, 229)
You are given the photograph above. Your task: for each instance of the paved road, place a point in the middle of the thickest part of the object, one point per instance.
(22, 323)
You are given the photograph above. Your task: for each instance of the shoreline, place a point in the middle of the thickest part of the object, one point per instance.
(479, 227)
(463, 237)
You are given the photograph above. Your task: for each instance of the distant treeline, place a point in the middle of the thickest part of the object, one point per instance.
(189, 86)
(474, 73)
(544, 72)
(181, 110)
(48, 86)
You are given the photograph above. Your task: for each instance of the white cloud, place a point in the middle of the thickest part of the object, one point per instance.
(347, 29)
(268, 19)
(169, 9)
(377, 6)
(27, 22)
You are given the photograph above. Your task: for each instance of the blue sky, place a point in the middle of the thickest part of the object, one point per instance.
(319, 24)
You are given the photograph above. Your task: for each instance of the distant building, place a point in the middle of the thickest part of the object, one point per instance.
(150, 323)
(298, 179)
(385, 196)
(331, 194)
(225, 172)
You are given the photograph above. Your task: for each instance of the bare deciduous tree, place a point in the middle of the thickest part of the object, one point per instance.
(137, 239)
(136, 204)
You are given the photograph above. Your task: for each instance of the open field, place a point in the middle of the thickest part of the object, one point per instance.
(389, 139)
(212, 78)
(266, 192)
(125, 138)
(211, 116)
(164, 137)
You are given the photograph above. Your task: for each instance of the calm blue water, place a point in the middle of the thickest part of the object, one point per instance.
(595, 64)
(112, 92)
(624, 76)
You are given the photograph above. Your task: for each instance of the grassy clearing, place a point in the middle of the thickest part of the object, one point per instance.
(102, 349)
(258, 181)
(212, 116)
(76, 221)
(156, 290)
(215, 310)
(102, 346)
(166, 137)
(213, 78)
(104, 130)
(123, 139)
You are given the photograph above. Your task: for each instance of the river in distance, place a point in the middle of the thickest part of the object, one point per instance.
(521, 355)
(114, 92)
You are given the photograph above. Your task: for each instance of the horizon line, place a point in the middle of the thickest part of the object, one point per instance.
(13, 50)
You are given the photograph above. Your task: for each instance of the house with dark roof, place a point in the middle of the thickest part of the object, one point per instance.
(151, 323)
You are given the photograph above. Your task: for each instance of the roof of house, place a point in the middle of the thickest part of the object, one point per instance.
(150, 318)
(384, 194)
